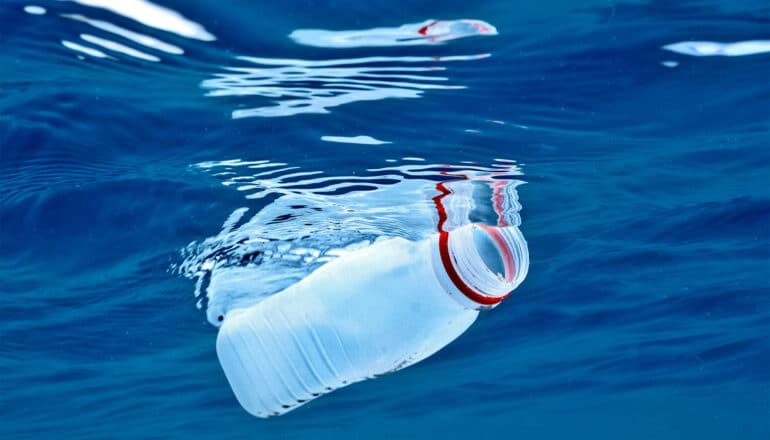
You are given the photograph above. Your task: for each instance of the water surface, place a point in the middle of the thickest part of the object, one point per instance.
(644, 192)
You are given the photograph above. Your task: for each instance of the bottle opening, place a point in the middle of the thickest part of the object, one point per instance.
(489, 252)
(484, 263)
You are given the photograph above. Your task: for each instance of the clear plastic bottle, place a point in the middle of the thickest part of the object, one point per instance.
(367, 313)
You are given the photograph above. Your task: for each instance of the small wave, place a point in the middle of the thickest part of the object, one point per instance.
(116, 39)
(96, 53)
(155, 16)
(363, 140)
(120, 48)
(285, 86)
(136, 37)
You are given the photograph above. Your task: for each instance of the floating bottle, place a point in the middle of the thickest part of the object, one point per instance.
(370, 312)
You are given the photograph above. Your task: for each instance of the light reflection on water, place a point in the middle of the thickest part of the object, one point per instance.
(413, 34)
(361, 140)
(282, 87)
(154, 16)
(305, 86)
(311, 217)
(136, 37)
(715, 48)
(143, 13)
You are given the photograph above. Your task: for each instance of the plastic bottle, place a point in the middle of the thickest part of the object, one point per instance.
(367, 313)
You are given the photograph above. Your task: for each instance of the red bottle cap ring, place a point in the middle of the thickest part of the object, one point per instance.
(470, 273)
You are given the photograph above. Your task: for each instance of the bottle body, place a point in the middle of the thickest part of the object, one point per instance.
(367, 313)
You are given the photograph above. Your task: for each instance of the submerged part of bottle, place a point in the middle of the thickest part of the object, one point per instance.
(370, 312)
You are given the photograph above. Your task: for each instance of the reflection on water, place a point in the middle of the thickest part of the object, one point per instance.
(305, 86)
(34, 10)
(363, 140)
(713, 48)
(119, 48)
(96, 53)
(312, 218)
(283, 87)
(427, 32)
(141, 11)
(136, 37)
(152, 15)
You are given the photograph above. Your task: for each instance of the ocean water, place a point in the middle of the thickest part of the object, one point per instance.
(147, 147)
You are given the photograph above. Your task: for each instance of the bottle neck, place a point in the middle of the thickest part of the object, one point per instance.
(480, 265)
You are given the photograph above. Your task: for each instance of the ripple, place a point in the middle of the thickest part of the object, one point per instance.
(314, 86)
(136, 37)
(413, 34)
(311, 218)
(96, 53)
(363, 140)
(120, 48)
(139, 10)
(34, 10)
(155, 16)
(713, 48)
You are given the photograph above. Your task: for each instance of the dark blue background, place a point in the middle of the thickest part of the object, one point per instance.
(646, 312)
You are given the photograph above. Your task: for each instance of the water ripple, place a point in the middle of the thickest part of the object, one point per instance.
(312, 218)
(294, 86)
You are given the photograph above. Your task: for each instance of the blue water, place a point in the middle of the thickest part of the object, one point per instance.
(646, 311)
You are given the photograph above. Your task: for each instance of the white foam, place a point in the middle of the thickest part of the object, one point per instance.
(153, 15)
(364, 140)
(713, 48)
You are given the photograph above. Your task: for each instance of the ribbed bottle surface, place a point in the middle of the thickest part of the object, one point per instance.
(368, 313)
(278, 361)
